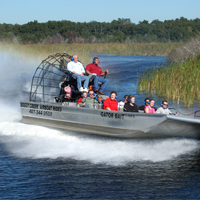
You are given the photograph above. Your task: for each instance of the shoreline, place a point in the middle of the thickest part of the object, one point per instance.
(41, 51)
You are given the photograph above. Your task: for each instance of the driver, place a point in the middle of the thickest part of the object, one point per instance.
(94, 68)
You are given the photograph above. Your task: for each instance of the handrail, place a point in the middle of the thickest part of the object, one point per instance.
(188, 114)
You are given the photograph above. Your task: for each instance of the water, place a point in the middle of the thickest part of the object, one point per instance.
(124, 70)
(38, 162)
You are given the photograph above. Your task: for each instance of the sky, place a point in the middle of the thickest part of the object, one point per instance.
(24, 11)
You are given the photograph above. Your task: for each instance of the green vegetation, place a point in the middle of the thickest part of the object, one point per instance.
(178, 81)
(40, 52)
(118, 31)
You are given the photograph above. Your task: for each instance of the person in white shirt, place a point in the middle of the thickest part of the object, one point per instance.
(123, 101)
(164, 109)
(77, 70)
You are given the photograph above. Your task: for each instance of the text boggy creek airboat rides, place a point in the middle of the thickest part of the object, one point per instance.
(48, 106)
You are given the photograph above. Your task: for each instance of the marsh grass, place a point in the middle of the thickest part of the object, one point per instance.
(40, 52)
(86, 51)
(179, 81)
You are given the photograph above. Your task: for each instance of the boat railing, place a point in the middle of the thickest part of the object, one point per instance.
(197, 114)
(174, 111)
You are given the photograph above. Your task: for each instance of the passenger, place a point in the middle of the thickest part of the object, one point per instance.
(131, 107)
(129, 98)
(146, 103)
(77, 70)
(123, 101)
(164, 109)
(149, 108)
(84, 95)
(94, 68)
(89, 102)
(99, 99)
(111, 102)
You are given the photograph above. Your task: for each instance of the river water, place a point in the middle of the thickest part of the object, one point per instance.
(38, 162)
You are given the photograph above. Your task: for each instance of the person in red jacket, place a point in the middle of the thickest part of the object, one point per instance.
(94, 68)
(111, 103)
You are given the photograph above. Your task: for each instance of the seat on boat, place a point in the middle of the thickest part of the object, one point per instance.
(197, 114)
(121, 109)
(91, 82)
(92, 76)
(70, 77)
(100, 106)
(71, 80)
(71, 104)
(141, 111)
(74, 94)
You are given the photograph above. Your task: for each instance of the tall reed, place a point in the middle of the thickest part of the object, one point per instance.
(179, 81)
(86, 51)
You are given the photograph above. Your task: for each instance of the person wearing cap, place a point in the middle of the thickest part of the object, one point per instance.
(94, 68)
(77, 70)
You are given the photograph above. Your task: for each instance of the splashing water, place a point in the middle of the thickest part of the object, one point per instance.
(30, 141)
(40, 142)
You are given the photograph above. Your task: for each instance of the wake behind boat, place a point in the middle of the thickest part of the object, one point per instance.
(49, 107)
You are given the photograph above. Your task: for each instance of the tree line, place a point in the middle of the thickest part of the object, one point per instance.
(117, 31)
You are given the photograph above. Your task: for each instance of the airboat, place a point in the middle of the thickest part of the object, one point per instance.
(47, 106)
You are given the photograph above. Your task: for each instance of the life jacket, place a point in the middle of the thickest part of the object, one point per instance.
(68, 91)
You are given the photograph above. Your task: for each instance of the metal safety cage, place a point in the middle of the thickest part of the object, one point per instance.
(48, 77)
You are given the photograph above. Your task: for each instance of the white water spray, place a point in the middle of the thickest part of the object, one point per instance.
(29, 141)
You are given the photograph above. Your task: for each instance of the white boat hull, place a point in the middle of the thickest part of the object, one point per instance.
(109, 123)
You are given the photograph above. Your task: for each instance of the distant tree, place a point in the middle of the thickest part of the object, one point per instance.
(57, 39)
(119, 30)
(71, 35)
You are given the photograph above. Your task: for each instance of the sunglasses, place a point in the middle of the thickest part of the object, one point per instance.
(165, 104)
(91, 94)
